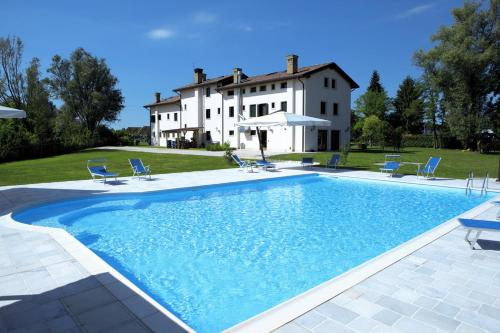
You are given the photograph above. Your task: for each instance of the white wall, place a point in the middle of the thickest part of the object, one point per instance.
(165, 121)
(317, 92)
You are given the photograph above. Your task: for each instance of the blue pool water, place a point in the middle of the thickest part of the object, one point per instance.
(218, 255)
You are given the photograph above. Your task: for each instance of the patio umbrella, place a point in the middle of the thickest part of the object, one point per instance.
(6, 112)
(281, 118)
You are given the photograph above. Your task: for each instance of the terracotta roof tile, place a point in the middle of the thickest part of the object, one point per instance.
(169, 100)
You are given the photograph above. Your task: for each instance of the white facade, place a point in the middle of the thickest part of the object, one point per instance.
(235, 98)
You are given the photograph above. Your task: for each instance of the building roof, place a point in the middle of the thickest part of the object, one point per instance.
(168, 100)
(219, 79)
(283, 75)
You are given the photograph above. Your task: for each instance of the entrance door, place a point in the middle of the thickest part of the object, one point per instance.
(263, 138)
(335, 140)
(262, 109)
(322, 139)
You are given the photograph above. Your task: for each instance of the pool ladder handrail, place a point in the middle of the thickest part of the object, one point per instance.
(470, 184)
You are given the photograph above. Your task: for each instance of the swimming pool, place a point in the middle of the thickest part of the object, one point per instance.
(217, 255)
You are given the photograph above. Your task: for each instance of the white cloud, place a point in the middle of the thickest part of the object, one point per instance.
(415, 10)
(203, 17)
(161, 33)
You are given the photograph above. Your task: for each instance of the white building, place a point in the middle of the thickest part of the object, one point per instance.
(206, 110)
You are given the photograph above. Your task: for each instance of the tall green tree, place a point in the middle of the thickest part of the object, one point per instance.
(466, 62)
(12, 79)
(87, 87)
(375, 84)
(408, 107)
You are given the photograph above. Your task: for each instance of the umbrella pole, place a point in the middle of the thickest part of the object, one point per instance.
(260, 144)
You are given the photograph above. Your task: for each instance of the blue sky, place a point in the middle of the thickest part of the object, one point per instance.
(154, 45)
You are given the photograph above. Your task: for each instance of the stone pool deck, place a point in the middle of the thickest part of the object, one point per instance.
(49, 282)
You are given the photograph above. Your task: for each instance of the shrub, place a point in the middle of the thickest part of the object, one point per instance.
(344, 153)
(218, 146)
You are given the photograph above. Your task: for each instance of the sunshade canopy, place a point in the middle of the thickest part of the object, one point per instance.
(6, 112)
(283, 118)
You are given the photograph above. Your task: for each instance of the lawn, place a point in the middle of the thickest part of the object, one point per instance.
(74, 166)
(454, 163)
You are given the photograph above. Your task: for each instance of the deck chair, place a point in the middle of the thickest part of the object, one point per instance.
(242, 164)
(334, 161)
(100, 170)
(265, 164)
(307, 162)
(479, 226)
(139, 169)
(430, 167)
(390, 167)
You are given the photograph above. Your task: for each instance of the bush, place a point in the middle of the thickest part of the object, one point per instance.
(420, 140)
(344, 153)
(218, 146)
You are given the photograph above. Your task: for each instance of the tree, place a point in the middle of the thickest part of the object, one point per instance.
(373, 130)
(375, 84)
(88, 89)
(466, 67)
(373, 103)
(12, 80)
(408, 107)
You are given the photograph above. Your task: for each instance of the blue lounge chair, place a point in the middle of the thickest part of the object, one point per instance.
(242, 164)
(307, 161)
(479, 226)
(100, 170)
(265, 164)
(430, 167)
(390, 167)
(139, 169)
(334, 161)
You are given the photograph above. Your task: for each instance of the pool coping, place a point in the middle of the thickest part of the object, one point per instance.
(284, 312)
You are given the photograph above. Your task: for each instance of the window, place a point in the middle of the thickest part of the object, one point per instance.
(231, 132)
(185, 107)
(323, 107)
(262, 88)
(168, 116)
(335, 109)
(218, 110)
(207, 113)
(283, 106)
(230, 92)
(253, 89)
(272, 105)
(283, 85)
(243, 91)
(334, 84)
(231, 111)
(253, 110)
(273, 86)
(325, 82)
(243, 107)
(159, 117)
(208, 136)
(253, 132)
(207, 92)
(175, 116)
(152, 119)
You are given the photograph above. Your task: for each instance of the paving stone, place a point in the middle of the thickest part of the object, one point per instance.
(291, 328)
(490, 311)
(139, 306)
(61, 324)
(336, 312)
(436, 320)
(476, 319)
(396, 305)
(310, 319)
(464, 328)
(87, 300)
(406, 324)
(461, 302)
(482, 297)
(432, 292)
(159, 323)
(446, 309)
(131, 327)
(330, 326)
(363, 307)
(387, 317)
(105, 317)
(426, 302)
(363, 324)
(119, 290)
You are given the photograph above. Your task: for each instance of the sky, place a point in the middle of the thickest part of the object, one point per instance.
(155, 45)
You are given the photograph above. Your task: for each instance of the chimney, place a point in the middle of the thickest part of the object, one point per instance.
(292, 64)
(157, 97)
(236, 75)
(198, 75)
(204, 77)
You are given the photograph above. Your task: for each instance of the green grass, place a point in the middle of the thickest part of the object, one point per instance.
(74, 166)
(454, 163)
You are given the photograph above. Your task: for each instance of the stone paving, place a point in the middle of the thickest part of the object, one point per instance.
(443, 287)
(44, 287)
